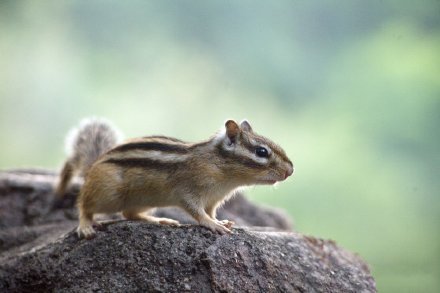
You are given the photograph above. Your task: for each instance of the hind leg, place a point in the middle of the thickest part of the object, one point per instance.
(142, 215)
(85, 228)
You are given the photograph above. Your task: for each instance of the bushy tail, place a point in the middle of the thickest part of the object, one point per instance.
(85, 145)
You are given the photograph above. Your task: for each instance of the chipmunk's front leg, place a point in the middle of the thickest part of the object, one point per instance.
(197, 211)
(211, 210)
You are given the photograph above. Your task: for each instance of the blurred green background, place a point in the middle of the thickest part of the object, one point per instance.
(350, 89)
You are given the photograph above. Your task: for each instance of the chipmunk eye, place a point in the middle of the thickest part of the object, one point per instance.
(262, 152)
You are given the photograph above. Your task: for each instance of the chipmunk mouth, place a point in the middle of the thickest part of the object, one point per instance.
(274, 179)
(267, 182)
(275, 176)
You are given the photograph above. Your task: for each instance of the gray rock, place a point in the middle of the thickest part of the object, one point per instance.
(39, 251)
(135, 256)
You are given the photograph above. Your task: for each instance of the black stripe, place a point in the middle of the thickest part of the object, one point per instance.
(165, 137)
(144, 164)
(232, 158)
(153, 146)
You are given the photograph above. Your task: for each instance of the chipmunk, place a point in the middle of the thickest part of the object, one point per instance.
(157, 171)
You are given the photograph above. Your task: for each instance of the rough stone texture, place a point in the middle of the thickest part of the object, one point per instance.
(39, 250)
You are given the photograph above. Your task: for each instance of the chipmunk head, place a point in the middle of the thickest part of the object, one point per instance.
(252, 158)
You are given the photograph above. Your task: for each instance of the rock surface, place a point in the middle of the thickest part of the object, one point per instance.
(39, 250)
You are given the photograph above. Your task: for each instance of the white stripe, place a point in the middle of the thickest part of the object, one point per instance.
(152, 155)
(244, 152)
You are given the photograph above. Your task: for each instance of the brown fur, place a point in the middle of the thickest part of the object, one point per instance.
(135, 177)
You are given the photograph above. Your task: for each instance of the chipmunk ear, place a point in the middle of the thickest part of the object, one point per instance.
(232, 130)
(244, 125)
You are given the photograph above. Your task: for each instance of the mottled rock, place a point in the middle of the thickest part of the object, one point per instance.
(40, 251)
(130, 256)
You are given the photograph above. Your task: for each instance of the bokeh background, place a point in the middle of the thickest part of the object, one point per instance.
(350, 89)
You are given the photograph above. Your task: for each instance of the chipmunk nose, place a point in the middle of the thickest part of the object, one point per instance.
(289, 171)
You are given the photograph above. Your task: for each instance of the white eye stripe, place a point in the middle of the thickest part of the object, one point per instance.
(260, 160)
(256, 144)
(251, 155)
(240, 151)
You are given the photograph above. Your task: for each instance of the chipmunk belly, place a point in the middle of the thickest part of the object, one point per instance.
(146, 188)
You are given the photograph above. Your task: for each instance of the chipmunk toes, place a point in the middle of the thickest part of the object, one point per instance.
(226, 223)
(86, 232)
(166, 221)
(218, 228)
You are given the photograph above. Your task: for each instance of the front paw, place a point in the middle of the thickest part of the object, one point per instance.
(216, 227)
(226, 223)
